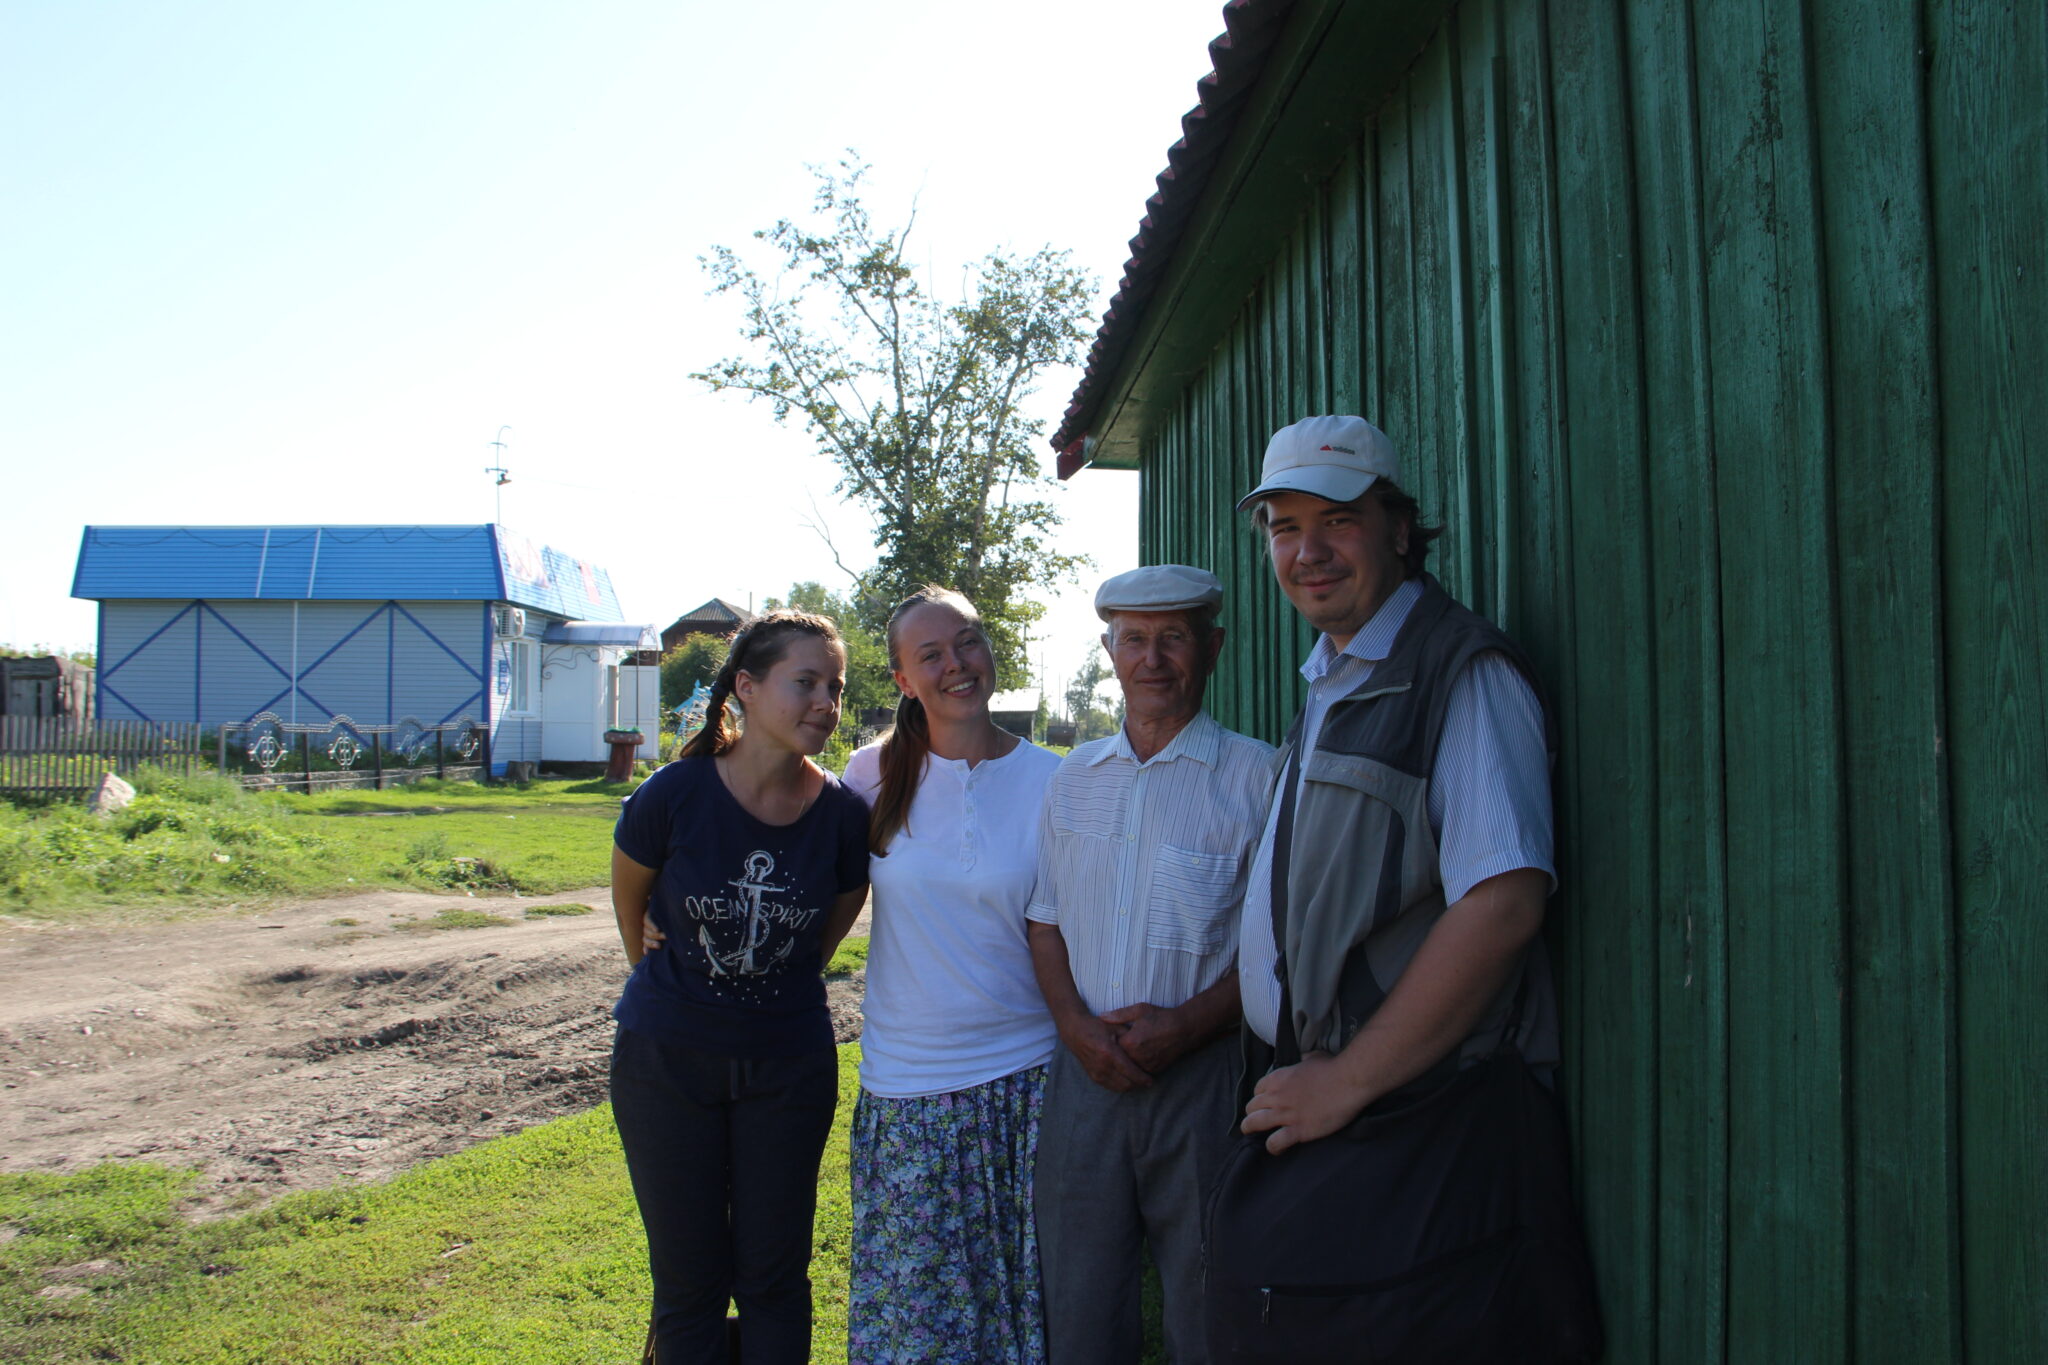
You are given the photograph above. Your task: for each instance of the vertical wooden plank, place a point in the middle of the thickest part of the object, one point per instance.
(1482, 97)
(1544, 606)
(1610, 717)
(1312, 282)
(1433, 453)
(1372, 349)
(1989, 154)
(1400, 416)
(1543, 593)
(1346, 287)
(1691, 896)
(1790, 1287)
(1461, 502)
(1871, 95)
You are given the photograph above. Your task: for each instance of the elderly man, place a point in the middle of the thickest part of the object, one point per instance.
(1390, 927)
(1145, 837)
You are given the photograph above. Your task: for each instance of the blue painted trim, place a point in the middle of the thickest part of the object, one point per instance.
(474, 696)
(152, 639)
(319, 705)
(490, 673)
(498, 564)
(254, 648)
(444, 644)
(267, 705)
(390, 660)
(360, 626)
(199, 662)
(127, 703)
(99, 655)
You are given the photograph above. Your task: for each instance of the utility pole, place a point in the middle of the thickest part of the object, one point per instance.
(504, 474)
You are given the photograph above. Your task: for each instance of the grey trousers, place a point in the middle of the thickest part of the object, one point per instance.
(1116, 1171)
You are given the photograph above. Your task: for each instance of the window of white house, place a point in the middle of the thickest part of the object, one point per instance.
(521, 665)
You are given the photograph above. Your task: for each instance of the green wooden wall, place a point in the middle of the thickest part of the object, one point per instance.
(1717, 333)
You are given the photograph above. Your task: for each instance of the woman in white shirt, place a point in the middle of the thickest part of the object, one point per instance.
(955, 1035)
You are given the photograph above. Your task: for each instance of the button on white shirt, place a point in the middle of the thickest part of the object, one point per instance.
(1142, 864)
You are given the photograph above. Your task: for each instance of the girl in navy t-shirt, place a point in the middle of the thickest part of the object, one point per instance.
(751, 863)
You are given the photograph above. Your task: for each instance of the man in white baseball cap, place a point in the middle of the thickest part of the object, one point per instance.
(1335, 458)
(1143, 848)
(1390, 930)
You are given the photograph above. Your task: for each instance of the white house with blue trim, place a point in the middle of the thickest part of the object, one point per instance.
(218, 624)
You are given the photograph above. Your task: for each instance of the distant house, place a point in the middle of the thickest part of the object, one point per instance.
(716, 617)
(44, 685)
(218, 624)
(1015, 711)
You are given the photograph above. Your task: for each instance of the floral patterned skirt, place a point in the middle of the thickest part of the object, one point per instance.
(945, 1253)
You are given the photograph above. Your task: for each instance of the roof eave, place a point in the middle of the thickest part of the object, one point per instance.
(1295, 82)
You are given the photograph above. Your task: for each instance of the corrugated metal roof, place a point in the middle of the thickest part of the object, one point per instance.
(601, 633)
(340, 563)
(1238, 55)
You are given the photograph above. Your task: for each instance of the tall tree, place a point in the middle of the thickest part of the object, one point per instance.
(921, 403)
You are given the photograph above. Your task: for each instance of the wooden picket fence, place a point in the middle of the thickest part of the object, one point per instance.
(66, 756)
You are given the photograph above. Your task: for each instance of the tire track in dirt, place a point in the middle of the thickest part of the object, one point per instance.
(285, 1052)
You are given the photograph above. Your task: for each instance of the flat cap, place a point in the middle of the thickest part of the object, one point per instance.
(1158, 587)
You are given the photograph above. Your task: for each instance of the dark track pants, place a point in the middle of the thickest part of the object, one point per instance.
(723, 1153)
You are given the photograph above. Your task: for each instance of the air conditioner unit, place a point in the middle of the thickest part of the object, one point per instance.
(510, 622)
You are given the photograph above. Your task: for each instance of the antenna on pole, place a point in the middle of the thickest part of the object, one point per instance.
(504, 474)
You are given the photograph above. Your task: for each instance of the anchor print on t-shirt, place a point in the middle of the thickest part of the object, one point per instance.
(748, 935)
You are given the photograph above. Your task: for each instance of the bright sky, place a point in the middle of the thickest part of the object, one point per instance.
(278, 264)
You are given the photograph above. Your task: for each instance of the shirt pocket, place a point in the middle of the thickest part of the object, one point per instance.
(1192, 899)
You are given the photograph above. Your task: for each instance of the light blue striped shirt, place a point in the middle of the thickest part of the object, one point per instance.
(1142, 865)
(1489, 796)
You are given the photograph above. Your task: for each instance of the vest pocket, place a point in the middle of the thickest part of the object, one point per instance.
(1192, 894)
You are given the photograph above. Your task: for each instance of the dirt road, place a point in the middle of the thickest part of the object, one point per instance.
(286, 1051)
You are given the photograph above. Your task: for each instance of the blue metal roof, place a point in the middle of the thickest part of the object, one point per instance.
(340, 563)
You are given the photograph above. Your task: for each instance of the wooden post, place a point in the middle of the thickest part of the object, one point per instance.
(306, 758)
(377, 760)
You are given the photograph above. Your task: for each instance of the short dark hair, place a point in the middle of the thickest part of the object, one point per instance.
(1399, 505)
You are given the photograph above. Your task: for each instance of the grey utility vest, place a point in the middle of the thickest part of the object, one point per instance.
(1360, 870)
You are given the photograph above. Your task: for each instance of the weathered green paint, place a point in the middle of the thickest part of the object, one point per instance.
(1715, 329)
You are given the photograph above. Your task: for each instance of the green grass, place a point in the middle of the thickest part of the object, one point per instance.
(851, 957)
(187, 843)
(526, 1248)
(455, 919)
(566, 908)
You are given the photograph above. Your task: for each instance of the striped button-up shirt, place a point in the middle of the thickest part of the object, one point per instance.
(1489, 796)
(1142, 865)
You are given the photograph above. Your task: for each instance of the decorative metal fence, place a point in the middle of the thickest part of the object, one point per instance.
(271, 752)
(66, 756)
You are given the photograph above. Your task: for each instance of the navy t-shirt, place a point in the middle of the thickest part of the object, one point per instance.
(744, 906)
